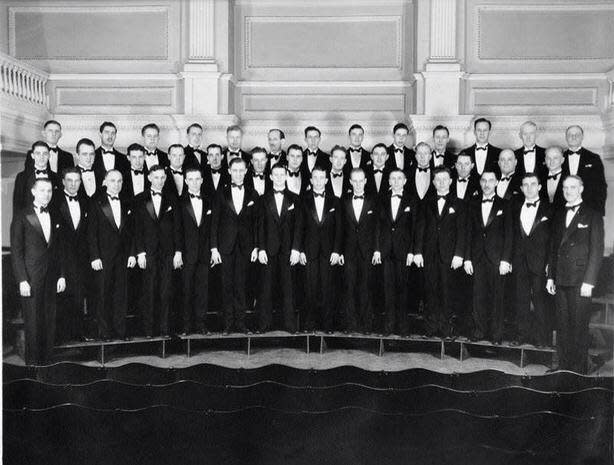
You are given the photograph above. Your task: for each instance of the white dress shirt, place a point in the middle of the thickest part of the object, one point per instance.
(138, 182)
(179, 180)
(399, 157)
(355, 158)
(196, 152)
(45, 221)
(151, 160)
(527, 215)
(109, 160)
(311, 161)
(486, 208)
(44, 175)
(504, 183)
(423, 181)
(238, 194)
(529, 159)
(574, 162)
(157, 202)
(438, 159)
(294, 183)
(461, 187)
(357, 205)
(88, 179)
(395, 202)
(53, 159)
(571, 213)
(553, 184)
(215, 177)
(74, 208)
(337, 183)
(197, 205)
(116, 207)
(279, 200)
(258, 185)
(378, 178)
(441, 203)
(319, 201)
(480, 157)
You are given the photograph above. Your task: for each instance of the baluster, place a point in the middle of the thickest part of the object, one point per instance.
(3, 77)
(37, 93)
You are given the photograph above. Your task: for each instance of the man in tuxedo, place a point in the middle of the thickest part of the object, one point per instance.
(38, 169)
(195, 157)
(420, 175)
(532, 219)
(37, 256)
(508, 186)
(234, 242)
(86, 154)
(109, 238)
(400, 156)
(297, 180)
(73, 213)
(58, 158)
(339, 184)
(465, 184)
(377, 172)
(573, 268)
(531, 157)
(153, 155)
(106, 156)
(588, 165)
(175, 181)
(234, 137)
(554, 177)
(358, 157)
(158, 246)
(440, 248)
(276, 154)
(488, 257)
(483, 154)
(319, 236)
(196, 212)
(360, 252)
(214, 175)
(312, 155)
(397, 215)
(278, 250)
(442, 155)
(134, 181)
(256, 177)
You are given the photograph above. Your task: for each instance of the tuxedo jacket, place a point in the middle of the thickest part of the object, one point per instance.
(76, 250)
(558, 200)
(322, 160)
(191, 161)
(473, 187)
(22, 190)
(346, 187)
(229, 228)
(170, 186)
(396, 235)
(127, 193)
(305, 182)
(277, 233)
(442, 236)
(121, 163)
(365, 160)
(534, 247)
(105, 240)
(157, 235)
(360, 237)
(449, 159)
(196, 240)
(513, 187)
(591, 170)
(282, 160)
(319, 238)
(209, 185)
(34, 259)
(162, 160)
(576, 252)
(541, 170)
(371, 186)
(492, 159)
(100, 189)
(249, 180)
(408, 154)
(65, 160)
(411, 183)
(493, 241)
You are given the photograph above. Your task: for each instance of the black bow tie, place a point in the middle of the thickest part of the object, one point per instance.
(215, 171)
(195, 196)
(355, 150)
(43, 209)
(423, 170)
(154, 193)
(359, 197)
(40, 171)
(71, 198)
(259, 176)
(312, 154)
(336, 175)
(234, 154)
(238, 186)
(105, 151)
(462, 180)
(529, 150)
(179, 172)
(137, 172)
(439, 197)
(506, 178)
(150, 154)
(485, 148)
(293, 174)
(53, 149)
(275, 191)
(398, 196)
(572, 208)
(438, 155)
(574, 152)
(113, 197)
(532, 204)
(378, 171)
(554, 176)
(315, 194)
(398, 151)
(86, 170)
(491, 200)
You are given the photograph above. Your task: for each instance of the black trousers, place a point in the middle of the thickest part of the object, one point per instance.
(195, 280)
(39, 319)
(396, 295)
(573, 315)
(530, 305)
(488, 287)
(277, 275)
(319, 298)
(71, 306)
(440, 284)
(157, 292)
(111, 296)
(234, 270)
(358, 305)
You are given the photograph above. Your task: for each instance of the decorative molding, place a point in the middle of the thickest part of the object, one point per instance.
(114, 77)
(556, 101)
(443, 30)
(202, 30)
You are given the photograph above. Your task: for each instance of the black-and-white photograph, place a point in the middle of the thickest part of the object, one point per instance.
(307, 231)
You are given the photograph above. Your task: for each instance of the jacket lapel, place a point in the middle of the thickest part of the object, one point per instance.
(190, 209)
(573, 225)
(538, 216)
(34, 221)
(149, 206)
(105, 206)
(493, 211)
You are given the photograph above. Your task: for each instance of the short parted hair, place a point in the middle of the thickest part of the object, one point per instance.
(442, 169)
(556, 148)
(234, 127)
(135, 147)
(237, 160)
(379, 145)
(312, 128)
(574, 176)
(320, 168)
(39, 143)
(214, 146)
(575, 126)
(528, 123)
(400, 126)
(356, 126)
(51, 121)
(397, 170)
(356, 171)
(107, 124)
(529, 175)
(150, 126)
(174, 146)
(191, 169)
(295, 147)
(441, 127)
(281, 133)
(37, 181)
(120, 173)
(464, 154)
(279, 166)
(256, 150)
(155, 168)
(339, 148)
(423, 144)
(487, 171)
(482, 120)
(84, 141)
(70, 170)
(193, 125)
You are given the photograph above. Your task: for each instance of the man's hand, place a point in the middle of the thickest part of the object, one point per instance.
(334, 258)
(24, 289)
(142, 261)
(504, 268)
(216, 258)
(551, 287)
(377, 258)
(177, 260)
(468, 267)
(262, 258)
(254, 255)
(457, 262)
(131, 262)
(341, 260)
(97, 264)
(410, 259)
(419, 260)
(586, 290)
(295, 257)
(303, 259)
(61, 285)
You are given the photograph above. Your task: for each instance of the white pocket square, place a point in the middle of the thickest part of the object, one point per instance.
(369, 212)
(208, 212)
(251, 202)
(589, 165)
(582, 226)
(545, 218)
(331, 210)
(406, 209)
(291, 207)
(500, 212)
(57, 226)
(451, 210)
(169, 209)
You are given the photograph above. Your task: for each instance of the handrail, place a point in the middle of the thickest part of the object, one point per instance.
(23, 81)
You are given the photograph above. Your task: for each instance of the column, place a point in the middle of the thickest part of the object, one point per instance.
(200, 72)
(443, 71)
